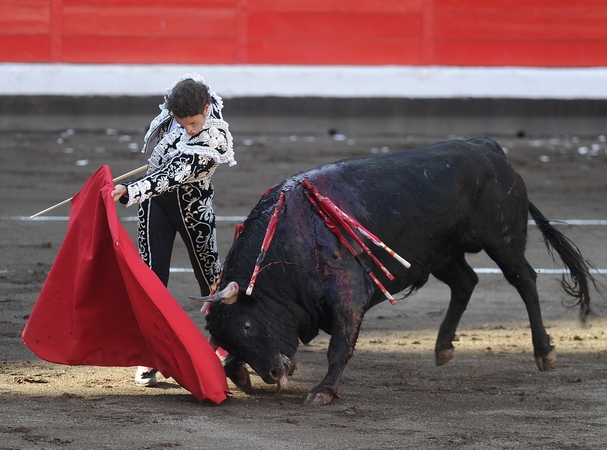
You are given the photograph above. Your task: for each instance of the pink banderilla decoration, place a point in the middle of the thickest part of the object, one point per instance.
(331, 225)
(336, 211)
(347, 222)
(338, 216)
(266, 242)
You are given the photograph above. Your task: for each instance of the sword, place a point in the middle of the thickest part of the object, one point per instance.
(119, 178)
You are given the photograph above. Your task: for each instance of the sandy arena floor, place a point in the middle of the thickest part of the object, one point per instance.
(491, 394)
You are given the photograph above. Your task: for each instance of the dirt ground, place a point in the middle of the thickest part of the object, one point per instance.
(491, 394)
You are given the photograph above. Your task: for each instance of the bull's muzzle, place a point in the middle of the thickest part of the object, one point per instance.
(281, 373)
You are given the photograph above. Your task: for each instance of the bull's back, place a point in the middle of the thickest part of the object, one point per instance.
(425, 202)
(439, 179)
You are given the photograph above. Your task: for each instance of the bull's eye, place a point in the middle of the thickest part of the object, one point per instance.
(245, 328)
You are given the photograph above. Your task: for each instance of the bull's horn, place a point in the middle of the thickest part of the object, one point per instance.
(228, 295)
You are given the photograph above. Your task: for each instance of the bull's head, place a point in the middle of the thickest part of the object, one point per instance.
(252, 331)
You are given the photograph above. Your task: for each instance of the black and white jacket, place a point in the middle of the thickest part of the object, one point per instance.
(178, 158)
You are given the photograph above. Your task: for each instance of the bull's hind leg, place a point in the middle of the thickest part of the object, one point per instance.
(522, 276)
(461, 279)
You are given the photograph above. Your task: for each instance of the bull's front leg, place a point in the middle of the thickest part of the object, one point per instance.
(341, 348)
(236, 371)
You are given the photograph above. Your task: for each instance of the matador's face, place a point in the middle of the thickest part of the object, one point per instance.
(193, 124)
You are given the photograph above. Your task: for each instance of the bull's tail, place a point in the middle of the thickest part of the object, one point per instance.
(576, 283)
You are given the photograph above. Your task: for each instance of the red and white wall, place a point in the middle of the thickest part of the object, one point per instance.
(405, 48)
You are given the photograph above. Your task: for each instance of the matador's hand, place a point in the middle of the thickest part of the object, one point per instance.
(119, 191)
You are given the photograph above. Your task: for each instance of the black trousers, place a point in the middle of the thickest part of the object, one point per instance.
(187, 210)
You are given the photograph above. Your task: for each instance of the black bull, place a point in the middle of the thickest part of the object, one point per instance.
(430, 205)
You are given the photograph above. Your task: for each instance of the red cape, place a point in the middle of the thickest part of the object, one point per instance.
(101, 305)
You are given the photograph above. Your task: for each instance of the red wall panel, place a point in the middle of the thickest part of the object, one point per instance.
(520, 54)
(333, 26)
(335, 38)
(23, 48)
(349, 53)
(340, 6)
(24, 19)
(114, 4)
(374, 32)
(148, 22)
(520, 26)
(147, 51)
(563, 6)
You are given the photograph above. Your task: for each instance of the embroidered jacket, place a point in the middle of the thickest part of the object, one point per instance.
(178, 158)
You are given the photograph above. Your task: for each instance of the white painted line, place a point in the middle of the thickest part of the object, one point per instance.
(258, 80)
(492, 270)
(574, 222)
(217, 219)
(230, 218)
(36, 219)
(122, 219)
(480, 270)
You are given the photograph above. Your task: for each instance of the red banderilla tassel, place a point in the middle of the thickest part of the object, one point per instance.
(343, 217)
(334, 212)
(335, 230)
(267, 240)
(350, 220)
(237, 230)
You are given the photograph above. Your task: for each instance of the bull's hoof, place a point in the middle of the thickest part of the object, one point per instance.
(238, 373)
(319, 398)
(444, 356)
(321, 395)
(243, 381)
(546, 362)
